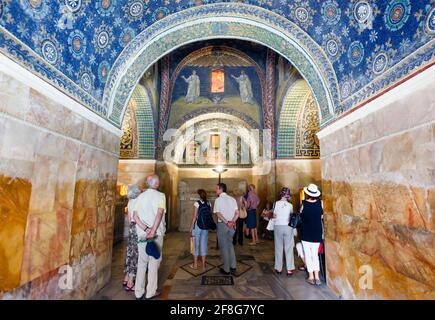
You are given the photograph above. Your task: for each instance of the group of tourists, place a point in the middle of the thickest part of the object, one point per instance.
(236, 218)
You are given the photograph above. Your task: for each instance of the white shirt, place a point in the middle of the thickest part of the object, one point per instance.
(130, 207)
(282, 211)
(226, 205)
(147, 206)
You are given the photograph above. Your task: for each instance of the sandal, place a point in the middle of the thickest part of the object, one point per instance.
(289, 273)
(192, 266)
(124, 283)
(318, 282)
(311, 281)
(127, 288)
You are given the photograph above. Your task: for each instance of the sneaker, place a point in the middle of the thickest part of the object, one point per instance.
(221, 270)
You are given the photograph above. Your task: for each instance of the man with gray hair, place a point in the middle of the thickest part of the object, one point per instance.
(149, 215)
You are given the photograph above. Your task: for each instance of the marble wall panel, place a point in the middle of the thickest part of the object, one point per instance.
(57, 191)
(378, 176)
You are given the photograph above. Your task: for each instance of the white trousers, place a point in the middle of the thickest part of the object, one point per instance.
(147, 262)
(311, 252)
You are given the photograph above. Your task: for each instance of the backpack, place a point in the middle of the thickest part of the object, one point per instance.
(204, 219)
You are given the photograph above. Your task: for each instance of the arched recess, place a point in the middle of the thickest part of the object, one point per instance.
(307, 144)
(140, 105)
(222, 20)
(206, 123)
(294, 99)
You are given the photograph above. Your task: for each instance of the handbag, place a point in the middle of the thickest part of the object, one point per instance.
(271, 225)
(243, 213)
(295, 220)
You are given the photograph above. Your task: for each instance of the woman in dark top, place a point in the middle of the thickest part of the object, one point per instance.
(312, 231)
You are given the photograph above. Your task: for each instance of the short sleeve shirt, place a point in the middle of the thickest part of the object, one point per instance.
(282, 211)
(196, 204)
(226, 205)
(147, 206)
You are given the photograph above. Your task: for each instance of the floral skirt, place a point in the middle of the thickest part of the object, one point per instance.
(131, 258)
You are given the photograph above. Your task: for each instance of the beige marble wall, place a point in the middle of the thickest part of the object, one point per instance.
(296, 174)
(58, 173)
(379, 191)
(135, 171)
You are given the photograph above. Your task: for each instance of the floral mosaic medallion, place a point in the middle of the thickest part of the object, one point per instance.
(355, 53)
(49, 51)
(103, 38)
(77, 44)
(160, 13)
(302, 12)
(362, 14)
(331, 12)
(126, 36)
(134, 10)
(36, 9)
(86, 78)
(105, 7)
(397, 14)
(380, 62)
(103, 71)
(333, 46)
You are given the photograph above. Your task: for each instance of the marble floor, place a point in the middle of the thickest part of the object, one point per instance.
(258, 282)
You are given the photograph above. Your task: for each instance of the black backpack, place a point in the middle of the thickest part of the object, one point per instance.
(204, 219)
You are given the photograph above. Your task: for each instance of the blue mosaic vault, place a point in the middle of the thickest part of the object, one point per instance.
(73, 44)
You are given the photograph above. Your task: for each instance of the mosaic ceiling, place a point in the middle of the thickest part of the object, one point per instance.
(74, 43)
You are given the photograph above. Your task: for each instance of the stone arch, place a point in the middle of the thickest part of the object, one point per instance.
(203, 124)
(222, 20)
(295, 96)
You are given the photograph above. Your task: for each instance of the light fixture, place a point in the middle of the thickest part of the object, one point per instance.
(219, 170)
(123, 190)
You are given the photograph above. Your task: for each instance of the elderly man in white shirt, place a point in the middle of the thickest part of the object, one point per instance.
(149, 215)
(226, 209)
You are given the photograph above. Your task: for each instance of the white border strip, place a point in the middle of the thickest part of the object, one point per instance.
(16, 71)
(137, 161)
(424, 78)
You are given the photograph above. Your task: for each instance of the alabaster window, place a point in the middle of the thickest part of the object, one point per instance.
(217, 81)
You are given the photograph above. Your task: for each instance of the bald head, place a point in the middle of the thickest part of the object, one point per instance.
(153, 181)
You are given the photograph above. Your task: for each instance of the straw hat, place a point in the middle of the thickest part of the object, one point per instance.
(312, 190)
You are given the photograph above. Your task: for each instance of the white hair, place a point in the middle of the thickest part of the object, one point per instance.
(152, 181)
(133, 191)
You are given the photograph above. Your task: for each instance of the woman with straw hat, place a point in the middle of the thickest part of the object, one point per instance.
(312, 231)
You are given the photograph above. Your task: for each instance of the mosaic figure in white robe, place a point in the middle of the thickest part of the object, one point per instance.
(245, 88)
(193, 85)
